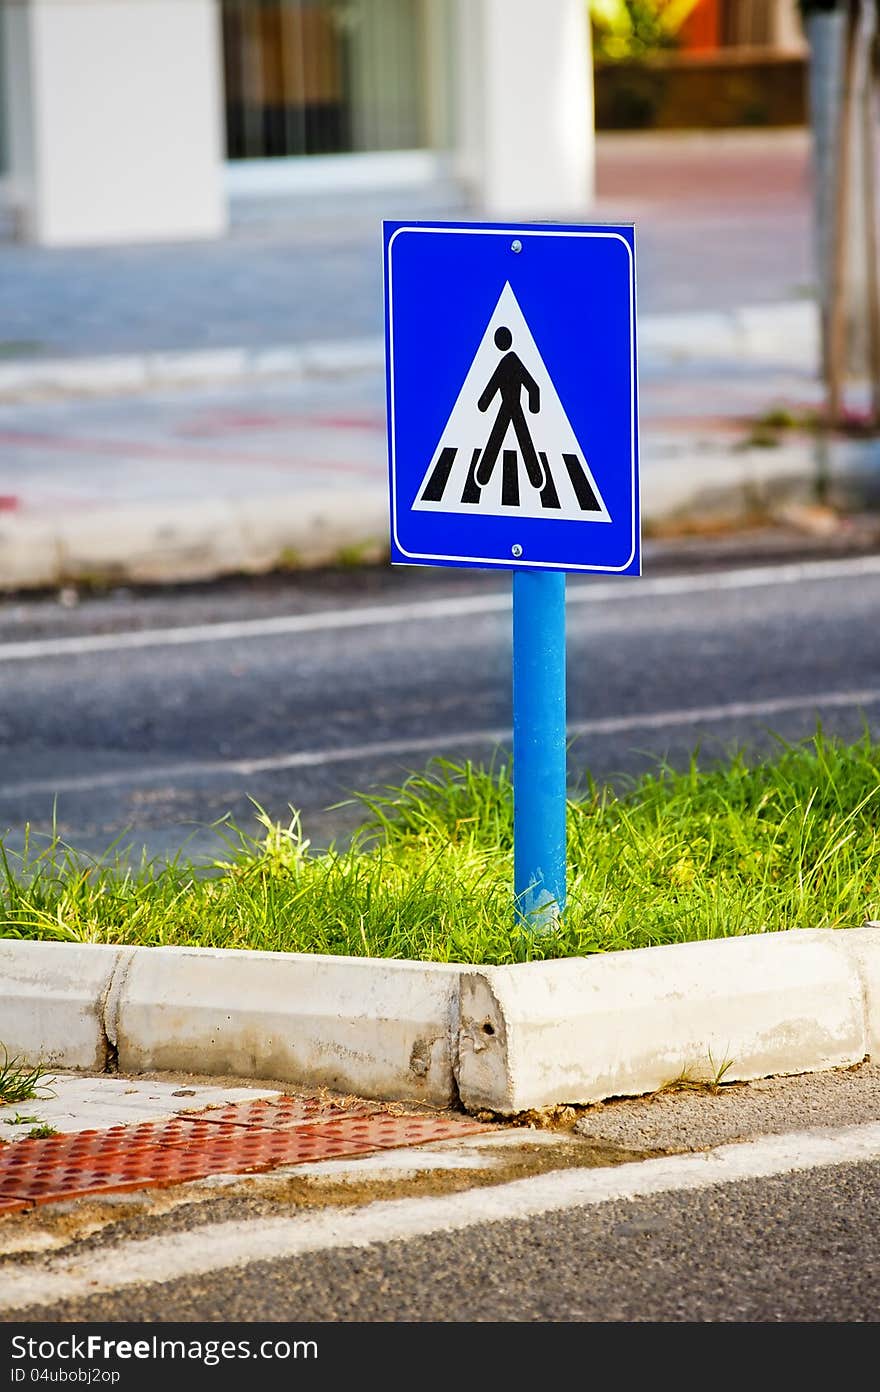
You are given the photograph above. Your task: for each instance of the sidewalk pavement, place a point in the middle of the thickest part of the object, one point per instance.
(264, 469)
(722, 220)
(178, 413)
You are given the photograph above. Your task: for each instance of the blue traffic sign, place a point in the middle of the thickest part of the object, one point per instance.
(511, 392)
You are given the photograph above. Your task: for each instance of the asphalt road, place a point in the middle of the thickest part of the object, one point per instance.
(786, 1249)
(152, 716)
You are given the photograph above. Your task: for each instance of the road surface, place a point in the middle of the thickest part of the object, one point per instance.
(153, 716)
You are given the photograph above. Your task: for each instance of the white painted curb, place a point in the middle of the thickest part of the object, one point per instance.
(377, 1028)
(504, 1039)
(150, 543)
(125, 372)
(864, 946)
(788, 331)
(626, 1023)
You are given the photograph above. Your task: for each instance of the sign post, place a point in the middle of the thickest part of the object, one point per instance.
(539, 747)
(512, 443)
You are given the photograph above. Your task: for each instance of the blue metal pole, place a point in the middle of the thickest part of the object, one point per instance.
(539, 746)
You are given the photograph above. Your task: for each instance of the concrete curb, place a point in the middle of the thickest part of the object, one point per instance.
(629, 1022)
(108, 374)
(379, 1029)
(762, 332)
(787, 332)
(51, 1001)
(685, 481)
(176, 541)
(503, 1039)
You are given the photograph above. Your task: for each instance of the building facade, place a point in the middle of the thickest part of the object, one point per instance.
(127, 120)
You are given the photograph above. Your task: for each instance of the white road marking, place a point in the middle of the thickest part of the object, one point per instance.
(420, 611)
(352, 753)
(216, 1247)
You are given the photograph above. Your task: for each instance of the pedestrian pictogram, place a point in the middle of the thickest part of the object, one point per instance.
(508, 448)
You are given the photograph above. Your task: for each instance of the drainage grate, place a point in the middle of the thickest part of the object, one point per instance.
(237, 1139)
(12, 1205)
(282, 1111)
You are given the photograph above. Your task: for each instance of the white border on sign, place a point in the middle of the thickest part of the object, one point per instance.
(526, 231)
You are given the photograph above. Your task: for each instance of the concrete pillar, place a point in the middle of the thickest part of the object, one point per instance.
(788, 27)
(525, 141)
(115, 119)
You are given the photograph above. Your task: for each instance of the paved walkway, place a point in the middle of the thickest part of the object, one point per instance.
(178, 412)
(189, 483)
(722, 220)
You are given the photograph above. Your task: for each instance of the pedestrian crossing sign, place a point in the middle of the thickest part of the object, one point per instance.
(511, 396)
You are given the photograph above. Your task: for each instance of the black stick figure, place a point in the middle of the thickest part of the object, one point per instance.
(508, 380)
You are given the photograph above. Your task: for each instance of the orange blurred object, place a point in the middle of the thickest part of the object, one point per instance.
(701, 30)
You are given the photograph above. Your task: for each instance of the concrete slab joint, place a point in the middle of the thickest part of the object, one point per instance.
(51, 1001)
(109, 1005)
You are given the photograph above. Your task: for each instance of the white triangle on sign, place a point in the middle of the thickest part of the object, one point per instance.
(532, 462)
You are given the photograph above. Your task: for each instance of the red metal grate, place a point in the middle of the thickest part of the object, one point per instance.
(12, 1206)
(282, 1111)
(175, 1131)
(185, 1148)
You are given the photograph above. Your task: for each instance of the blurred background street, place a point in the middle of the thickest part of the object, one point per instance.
(256, 435)
(192, 418)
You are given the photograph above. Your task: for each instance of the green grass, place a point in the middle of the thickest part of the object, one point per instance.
(20, 1082)
(738, 846)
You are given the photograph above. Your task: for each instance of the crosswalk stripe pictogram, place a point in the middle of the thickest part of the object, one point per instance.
(508, 447)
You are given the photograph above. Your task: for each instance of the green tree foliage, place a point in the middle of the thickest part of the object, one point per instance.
(626, 29)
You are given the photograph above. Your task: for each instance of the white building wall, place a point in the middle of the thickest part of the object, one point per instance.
(116, 119)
